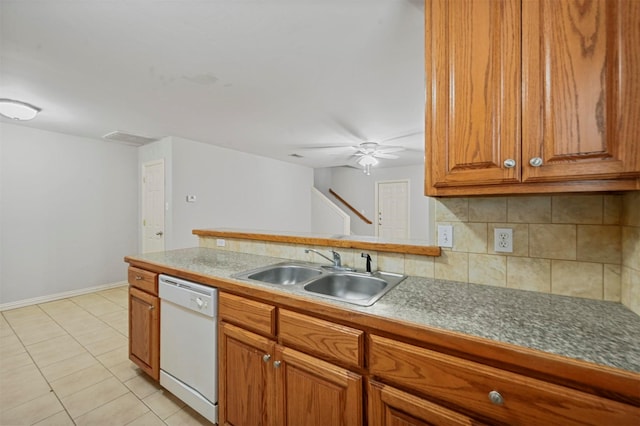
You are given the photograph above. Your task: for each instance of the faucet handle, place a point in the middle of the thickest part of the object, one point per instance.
(336, 258)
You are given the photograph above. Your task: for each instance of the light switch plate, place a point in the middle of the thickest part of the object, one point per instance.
(445, 236)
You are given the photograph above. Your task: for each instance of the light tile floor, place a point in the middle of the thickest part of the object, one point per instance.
(66, 363)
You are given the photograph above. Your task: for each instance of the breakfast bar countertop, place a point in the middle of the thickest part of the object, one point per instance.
(600, 332)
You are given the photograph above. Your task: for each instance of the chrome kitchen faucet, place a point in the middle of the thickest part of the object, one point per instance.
(337, 262)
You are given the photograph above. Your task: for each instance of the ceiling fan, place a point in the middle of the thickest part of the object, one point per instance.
(367, 154)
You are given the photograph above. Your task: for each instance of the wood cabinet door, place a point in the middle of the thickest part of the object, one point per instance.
(246, 380)
(144, 331)
(391, 407)
(312, 392)
(473, 95)
(580, 89)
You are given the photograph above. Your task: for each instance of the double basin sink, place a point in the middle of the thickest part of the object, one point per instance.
(359, 288)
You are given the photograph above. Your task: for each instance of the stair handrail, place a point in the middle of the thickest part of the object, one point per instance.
(350, 207)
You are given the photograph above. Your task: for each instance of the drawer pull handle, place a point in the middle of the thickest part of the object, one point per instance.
(276, 364)
(536, 161)
(138, 277)
(151, 307)
(509, 163)
(266, 357)
(496, 398)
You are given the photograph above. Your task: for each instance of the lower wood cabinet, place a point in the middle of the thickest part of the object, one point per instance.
(144, 331)
(263, 383)
(490, 393)
(246, 378)
(313, 392)
(388, 406)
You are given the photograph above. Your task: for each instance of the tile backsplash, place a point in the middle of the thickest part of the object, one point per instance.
(576, 245)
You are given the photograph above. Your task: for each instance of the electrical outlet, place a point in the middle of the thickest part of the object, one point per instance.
(503, 240)
(445, 236)
(220, 242)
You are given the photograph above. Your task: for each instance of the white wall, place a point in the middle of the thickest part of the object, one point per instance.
(359, 189)
(327, 217)
(232, 189)
(68, 212)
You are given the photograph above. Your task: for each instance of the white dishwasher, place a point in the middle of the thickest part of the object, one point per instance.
(188, 343)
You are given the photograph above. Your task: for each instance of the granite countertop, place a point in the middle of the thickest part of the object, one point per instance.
(604, 333)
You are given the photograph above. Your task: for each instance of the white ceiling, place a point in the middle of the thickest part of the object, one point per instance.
(268, 77)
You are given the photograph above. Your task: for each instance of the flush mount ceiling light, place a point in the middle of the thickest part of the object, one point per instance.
(366, 161)
(18, 110)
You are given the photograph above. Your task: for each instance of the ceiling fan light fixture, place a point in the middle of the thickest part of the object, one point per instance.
(18, 110)
(366, 161)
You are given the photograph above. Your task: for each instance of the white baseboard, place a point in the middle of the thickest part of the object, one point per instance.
(58, 296)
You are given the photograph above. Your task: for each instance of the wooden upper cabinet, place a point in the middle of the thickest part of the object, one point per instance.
(581, 68)
(510, 81)
(473, 91)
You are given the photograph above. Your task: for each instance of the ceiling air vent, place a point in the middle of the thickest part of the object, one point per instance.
(128, 138)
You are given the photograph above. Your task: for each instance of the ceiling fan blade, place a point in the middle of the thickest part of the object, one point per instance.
(390, 149)
(325, 150)
(405, 135)
(383, 155)
(350, 130)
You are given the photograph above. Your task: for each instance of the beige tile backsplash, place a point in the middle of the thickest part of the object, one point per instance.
(576, 245)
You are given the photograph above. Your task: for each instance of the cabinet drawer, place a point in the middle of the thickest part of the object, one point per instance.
(249, 314)
(468, 385)
(144, 280)
(324, 338)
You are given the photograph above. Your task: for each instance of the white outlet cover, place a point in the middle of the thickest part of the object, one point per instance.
(220, 242)
(445, 236)
(503, 240)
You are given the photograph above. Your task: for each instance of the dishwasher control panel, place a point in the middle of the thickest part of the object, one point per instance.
(189, 295)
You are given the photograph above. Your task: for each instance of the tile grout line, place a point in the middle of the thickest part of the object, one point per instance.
(38, 367)
(67, 333)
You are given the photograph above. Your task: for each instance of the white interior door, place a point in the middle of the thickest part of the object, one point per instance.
(153, 206)
(392, 200)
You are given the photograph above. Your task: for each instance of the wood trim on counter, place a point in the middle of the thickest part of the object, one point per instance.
(381, 246)
(601, 380)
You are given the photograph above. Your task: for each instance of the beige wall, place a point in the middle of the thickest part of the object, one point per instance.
(577, 245)
(630, 281)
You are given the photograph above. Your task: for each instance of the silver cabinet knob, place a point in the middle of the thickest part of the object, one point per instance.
(496, 398)
(536, 161)
(266, 357)
(276, 364)
(509, 163)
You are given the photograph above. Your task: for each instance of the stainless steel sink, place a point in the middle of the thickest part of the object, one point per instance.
(361, 289)
(288, 273)
(353, 287)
